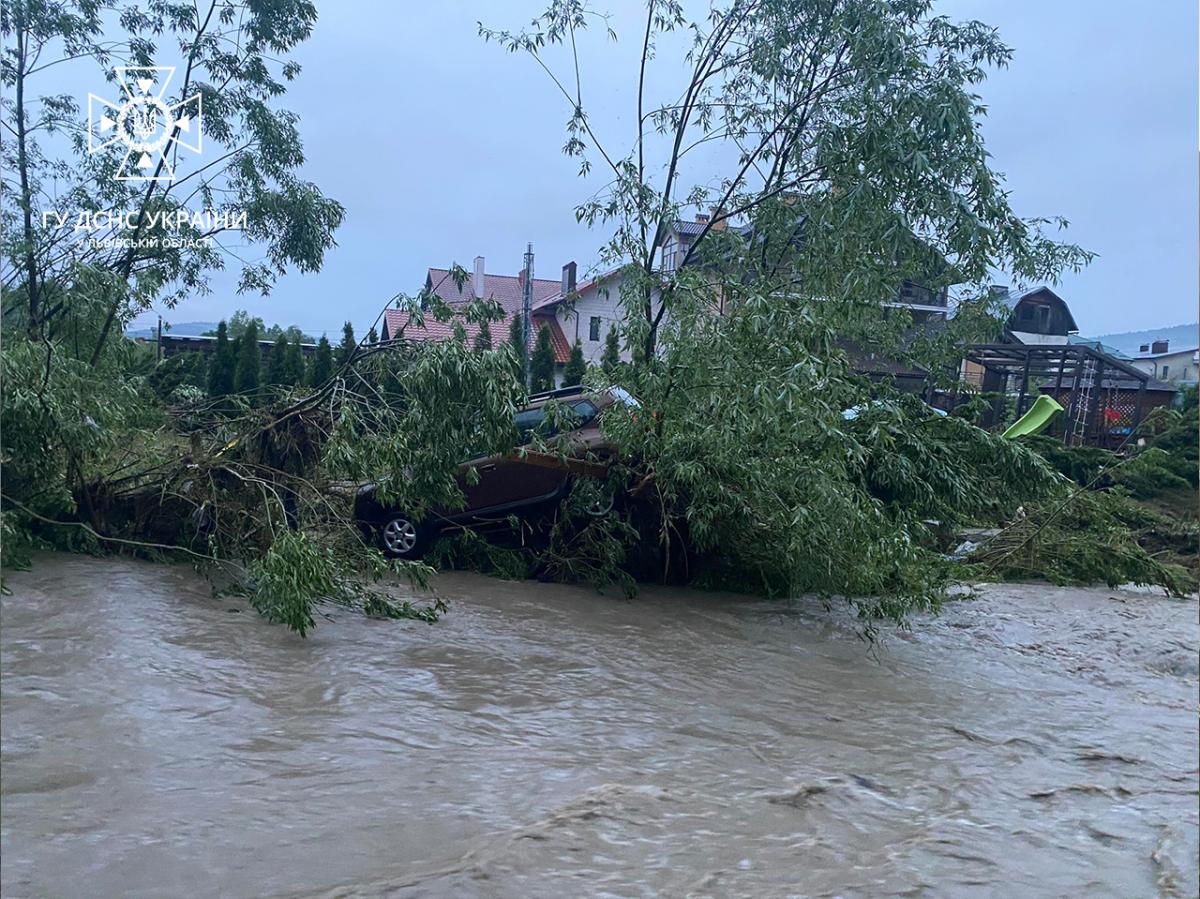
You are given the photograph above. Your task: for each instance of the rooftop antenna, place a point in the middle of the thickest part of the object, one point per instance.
(527, 308)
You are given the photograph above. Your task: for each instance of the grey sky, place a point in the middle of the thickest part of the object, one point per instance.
(442, 148)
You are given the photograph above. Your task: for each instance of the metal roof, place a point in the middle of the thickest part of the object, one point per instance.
(1013, 299)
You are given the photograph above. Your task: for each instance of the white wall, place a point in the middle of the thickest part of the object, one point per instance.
(602, 301)
(1182, 367)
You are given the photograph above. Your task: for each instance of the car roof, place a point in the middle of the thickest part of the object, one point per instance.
(605, 396)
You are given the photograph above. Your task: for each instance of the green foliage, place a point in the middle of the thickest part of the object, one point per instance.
(277, 364)
(320, 369)
(297, 572)
(753, 466)
(610, 361)
(294, 371)
(516, 342)
(180, 370)
(575, 368)
(1084, 537)
(222, 366)
(241, 320)
(249, 363)
(587, 549)
(65, 423)
(483, 337)
(347, 348)
(439, 403)
(852, 185)
(468, 551)
(541, 364)
(237, 60)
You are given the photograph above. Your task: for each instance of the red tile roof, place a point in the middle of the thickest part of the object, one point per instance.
(507, 290)
(562, 348)
(504, 289)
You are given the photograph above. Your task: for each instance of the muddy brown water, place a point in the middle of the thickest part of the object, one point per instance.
(547, 741)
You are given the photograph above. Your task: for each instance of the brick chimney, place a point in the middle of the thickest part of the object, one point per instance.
(1159, 346)
(568, 278)
(478, 279)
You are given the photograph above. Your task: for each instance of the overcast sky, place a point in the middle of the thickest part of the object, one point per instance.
(442, 147)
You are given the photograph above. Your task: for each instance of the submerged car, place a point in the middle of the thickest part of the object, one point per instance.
(520, 482)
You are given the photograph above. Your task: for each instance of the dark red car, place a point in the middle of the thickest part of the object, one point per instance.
(521, 481)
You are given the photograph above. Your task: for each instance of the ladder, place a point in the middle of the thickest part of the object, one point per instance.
(1083, 397)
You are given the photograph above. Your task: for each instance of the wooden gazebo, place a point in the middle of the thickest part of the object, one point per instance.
(1104, 397)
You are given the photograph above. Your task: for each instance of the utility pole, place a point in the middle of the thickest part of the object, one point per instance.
(527, 308)
(158, 342)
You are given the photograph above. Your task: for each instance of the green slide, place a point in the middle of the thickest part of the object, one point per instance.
(1040, 414)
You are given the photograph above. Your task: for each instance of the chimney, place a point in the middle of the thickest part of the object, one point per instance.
(1144, 348)
(568, 278)
(1159, 346)
(478, 277)
(701, 218)
(721, 225)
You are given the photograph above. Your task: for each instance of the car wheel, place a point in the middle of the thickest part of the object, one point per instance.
(401, 538)
(601, 501)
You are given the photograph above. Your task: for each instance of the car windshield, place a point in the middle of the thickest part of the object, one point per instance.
(571, 415)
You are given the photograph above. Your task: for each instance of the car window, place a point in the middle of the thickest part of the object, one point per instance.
(533, 421)
(528, 421)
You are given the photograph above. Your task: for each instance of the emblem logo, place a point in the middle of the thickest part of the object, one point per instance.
(145, 124)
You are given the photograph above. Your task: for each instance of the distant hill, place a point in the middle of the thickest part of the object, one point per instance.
(1182, 337)
(180, 329)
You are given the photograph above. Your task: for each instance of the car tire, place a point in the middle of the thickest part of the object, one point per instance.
(604, 501)
(400, 537)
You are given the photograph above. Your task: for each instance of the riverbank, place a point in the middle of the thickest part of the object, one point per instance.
(542, 740)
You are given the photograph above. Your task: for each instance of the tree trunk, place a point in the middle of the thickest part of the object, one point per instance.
(31, 272)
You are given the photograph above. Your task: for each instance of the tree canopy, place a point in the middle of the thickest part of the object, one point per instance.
(156, 240)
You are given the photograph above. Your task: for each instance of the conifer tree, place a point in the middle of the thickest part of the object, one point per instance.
(541, 364)
(610, 361)
(294, 370)
(249, 362)
(576, 367)
(220, 371)
(277, 365)
(516, 338)
(321, 368)
(348, 346)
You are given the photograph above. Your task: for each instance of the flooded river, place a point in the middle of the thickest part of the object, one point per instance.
(546, 741)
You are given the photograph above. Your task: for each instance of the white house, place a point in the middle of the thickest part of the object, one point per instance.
(1180, 367)
(587, 311)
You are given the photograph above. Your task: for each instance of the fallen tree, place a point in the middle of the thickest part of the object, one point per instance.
(744, 469)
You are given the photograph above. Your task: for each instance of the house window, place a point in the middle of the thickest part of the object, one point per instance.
(594, 328)
(669, 255)
(1166, 368)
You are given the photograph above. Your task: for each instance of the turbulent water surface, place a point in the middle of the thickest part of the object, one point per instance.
(546, 741)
